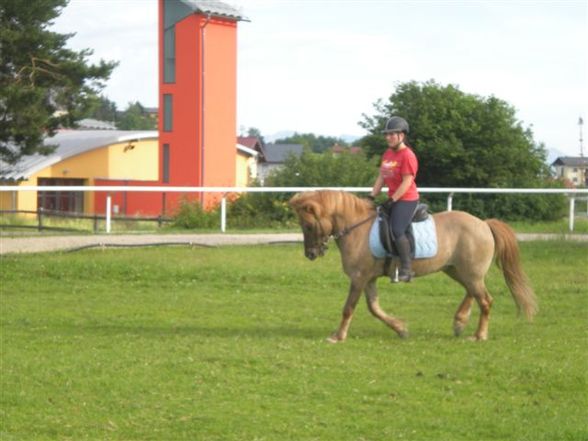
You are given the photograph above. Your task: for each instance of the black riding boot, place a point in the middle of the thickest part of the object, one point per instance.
(403, 247)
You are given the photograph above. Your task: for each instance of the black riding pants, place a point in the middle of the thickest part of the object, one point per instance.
(401, 214)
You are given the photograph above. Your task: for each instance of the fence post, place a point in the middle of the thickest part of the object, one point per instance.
(108, 210)
(224, 213)
(450, 202)
(572, 214)
(95, 223)
(40, 218)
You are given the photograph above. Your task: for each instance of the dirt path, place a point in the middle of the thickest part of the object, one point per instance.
(60, 243)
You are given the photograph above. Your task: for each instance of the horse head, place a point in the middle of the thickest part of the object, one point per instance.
(316, 225)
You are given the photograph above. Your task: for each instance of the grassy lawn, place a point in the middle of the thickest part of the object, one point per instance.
(228, 344)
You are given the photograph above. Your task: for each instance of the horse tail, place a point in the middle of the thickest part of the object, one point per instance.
(509, 261)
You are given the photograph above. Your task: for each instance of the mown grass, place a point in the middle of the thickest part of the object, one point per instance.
(228, 344)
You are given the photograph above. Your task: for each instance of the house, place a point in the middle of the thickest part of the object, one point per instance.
(338, 149)
(81, 158)
(573, 170)
(98, 157)
(274, 156)
(246, 165)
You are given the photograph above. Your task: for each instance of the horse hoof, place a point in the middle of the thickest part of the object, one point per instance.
(457, 330)
(333, 339)
(403, 334)
(477, 338)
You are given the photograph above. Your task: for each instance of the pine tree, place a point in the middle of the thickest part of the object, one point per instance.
(43, 84)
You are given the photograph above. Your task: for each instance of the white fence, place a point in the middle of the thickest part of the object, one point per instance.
(572, 194)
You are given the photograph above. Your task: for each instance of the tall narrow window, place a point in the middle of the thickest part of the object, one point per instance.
(165, 172)
(169, 55)
(168, 112)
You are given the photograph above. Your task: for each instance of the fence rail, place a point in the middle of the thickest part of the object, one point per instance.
(571, 193)
(41, 214)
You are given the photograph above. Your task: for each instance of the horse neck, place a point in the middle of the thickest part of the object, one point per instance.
(343, 218)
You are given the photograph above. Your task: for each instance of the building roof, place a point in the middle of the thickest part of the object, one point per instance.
(215, 8)
(247, 150)
(249, 141)
(90, 124)
(278, 153)
(571, 161)
(69, 143)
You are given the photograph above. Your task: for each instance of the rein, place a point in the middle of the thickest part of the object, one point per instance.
(347, 230)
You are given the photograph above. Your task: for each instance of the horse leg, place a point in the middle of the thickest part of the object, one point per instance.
(352, 298)
(462, 316)
(484, 299)
(374, 307)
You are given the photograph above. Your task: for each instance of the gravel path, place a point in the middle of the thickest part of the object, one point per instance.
(60, 243)
(12, 244)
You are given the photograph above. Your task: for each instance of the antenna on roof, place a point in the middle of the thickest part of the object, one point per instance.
(581, 123)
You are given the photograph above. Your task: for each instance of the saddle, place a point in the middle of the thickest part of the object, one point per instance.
(421, 213)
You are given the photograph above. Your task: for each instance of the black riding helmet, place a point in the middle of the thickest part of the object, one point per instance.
(396, 124)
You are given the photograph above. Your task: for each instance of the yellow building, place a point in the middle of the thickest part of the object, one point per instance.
(246, 167)
(96, 157)
(81, 157)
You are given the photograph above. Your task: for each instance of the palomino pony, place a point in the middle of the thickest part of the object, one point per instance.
(466, 248)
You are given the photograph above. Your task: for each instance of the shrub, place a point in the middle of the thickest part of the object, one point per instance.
(191, 215)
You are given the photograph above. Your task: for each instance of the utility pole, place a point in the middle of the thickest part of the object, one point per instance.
(581, 123)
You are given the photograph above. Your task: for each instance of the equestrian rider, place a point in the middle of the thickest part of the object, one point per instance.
(398, 170)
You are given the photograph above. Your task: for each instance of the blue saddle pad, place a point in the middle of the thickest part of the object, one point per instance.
(425, 239)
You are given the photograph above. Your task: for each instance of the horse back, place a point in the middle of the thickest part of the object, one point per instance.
(463, 237)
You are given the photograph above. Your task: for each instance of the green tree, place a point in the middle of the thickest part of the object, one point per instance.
(135, 118)
(309, 170)
(317, 144)
(461, 139)
(102, 109)
(253, 131)
(43, 85)
(325, 170)
(465, 140)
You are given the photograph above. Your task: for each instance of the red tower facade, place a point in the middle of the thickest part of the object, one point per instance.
(197, 94)
(197, 106)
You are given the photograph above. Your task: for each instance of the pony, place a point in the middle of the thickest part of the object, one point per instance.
(467, 246)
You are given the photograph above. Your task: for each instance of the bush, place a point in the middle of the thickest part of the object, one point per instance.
(192, 215)
(260, 210)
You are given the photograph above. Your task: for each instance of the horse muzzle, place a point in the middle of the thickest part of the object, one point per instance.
(314, 252)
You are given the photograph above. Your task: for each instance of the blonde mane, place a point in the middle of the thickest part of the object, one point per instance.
(323, 203)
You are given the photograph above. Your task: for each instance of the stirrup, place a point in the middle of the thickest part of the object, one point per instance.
(404, 275)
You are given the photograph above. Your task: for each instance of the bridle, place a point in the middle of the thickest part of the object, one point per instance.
(345, 231)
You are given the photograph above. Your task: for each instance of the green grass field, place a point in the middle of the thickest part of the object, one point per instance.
(228, 344)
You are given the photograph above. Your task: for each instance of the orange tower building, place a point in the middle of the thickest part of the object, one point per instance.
(197, 106)
(197, 94)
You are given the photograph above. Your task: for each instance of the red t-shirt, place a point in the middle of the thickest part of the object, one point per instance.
(394, 166)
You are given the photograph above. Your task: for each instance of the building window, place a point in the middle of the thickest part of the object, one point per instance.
(168, 112)
(165, 174)
(68, 201)
(169, 55)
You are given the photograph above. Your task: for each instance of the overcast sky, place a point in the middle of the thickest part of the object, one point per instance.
(316, 66)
